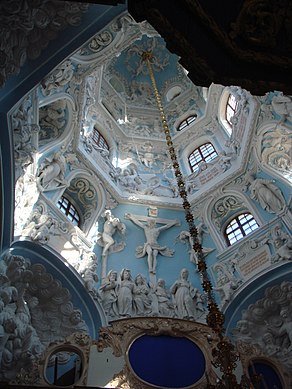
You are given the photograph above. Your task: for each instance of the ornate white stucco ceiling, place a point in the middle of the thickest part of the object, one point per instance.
(125, 87)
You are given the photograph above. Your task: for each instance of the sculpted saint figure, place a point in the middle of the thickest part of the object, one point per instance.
(267, 194)
(125, 294)
(152, 248)
(188, 301)
(164, 305)
(108, 293)
(52, 171)
(142, 296)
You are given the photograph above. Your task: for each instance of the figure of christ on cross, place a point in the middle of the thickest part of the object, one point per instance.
(151, 247)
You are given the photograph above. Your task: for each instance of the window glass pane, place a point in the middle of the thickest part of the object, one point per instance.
(185, 123)
(235, 237)
(231, 108)
(245, 217)
(232, 101)
(68, 209)
(191, 119)
(195, 158)
(99, 140)
(251, 226)
(205, 152)
(232, 228)
(229, 114)
(239, 227)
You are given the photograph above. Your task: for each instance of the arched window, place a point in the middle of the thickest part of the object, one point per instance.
(239, 227)
(262, 373)
(231, 108)
(65, 205)
(185, 123)
(62, 371)
(99, 139)
(205, 152)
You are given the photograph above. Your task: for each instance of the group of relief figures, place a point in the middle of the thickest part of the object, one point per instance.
(123, 296)
(155, 300)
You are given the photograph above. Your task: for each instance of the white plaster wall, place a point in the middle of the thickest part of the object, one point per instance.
(102, 367)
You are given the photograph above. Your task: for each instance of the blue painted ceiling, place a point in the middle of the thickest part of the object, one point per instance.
(131, 67)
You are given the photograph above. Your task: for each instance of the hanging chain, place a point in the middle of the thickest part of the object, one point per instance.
(224, 354)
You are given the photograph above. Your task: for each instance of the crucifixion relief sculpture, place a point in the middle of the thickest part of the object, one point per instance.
(151, 247)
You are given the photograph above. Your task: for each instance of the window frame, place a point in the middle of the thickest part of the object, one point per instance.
(231, 105)
(99, 139)
(240, 227)
(187, 122)
(66, 210)
(204, 158)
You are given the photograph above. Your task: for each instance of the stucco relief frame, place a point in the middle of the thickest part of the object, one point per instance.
(122, 333)
(78, 343)
(249, 353)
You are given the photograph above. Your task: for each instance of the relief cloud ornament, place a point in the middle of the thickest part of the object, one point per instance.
(28, 26)
(35, 311)
(268, 324)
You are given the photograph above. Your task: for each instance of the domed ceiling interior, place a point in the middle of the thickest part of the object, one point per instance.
(105, 85)
(104, 88)
(126, 98)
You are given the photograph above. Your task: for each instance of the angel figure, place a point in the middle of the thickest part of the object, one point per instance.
(105, 238)
(51, 173)
(185, 237)
(227, 283)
